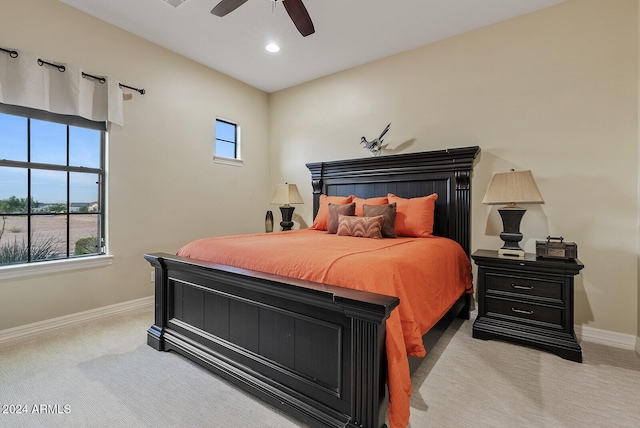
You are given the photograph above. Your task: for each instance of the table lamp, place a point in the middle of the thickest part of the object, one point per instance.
(286, 194)
(511, 188)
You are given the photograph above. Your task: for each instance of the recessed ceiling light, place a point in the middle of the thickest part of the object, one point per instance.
(272, 47)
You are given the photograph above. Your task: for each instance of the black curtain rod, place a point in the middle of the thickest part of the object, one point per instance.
(62, 68)
(98, 78)
(142, 91)
(12, 54)
(103, 80)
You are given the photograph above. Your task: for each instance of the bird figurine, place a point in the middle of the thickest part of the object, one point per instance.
(375, 145)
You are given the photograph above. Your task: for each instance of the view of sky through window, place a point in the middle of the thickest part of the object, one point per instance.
(48, 146)
(226, 143)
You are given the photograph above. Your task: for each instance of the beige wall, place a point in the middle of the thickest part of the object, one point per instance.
(164, 189)
(554, 91)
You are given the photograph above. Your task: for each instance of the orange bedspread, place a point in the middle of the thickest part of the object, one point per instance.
(427, 274)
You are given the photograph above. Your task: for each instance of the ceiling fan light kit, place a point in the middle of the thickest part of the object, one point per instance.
(295, 8)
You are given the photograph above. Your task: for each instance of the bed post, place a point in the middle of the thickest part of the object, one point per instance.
(316, 183)
(368, 330)
(155, 334)
(463, 210)
(463, 226)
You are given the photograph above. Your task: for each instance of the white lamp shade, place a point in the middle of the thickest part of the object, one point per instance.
(513, 187)
(286, 194)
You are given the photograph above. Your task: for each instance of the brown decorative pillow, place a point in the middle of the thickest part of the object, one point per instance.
(389, 213)
(362, 227)
(360, 203)
(335, 210)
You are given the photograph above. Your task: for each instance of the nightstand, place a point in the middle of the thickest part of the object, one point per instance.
(527, 301)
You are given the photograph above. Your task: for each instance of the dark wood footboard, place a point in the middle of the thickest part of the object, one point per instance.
(316, 351)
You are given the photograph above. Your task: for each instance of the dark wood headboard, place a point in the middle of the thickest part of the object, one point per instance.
(445, 172)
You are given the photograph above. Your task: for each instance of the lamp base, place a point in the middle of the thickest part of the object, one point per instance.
(287, 214)
(511, 217)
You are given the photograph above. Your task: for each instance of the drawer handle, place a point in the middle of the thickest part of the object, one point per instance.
(522, 287)
(520, 311)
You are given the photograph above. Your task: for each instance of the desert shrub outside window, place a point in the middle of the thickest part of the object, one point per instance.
(52, 175)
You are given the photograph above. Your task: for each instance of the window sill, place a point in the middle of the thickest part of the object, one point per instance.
(228, 161)
(54, 266)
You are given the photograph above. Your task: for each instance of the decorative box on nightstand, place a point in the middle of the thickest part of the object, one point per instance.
(527, 301)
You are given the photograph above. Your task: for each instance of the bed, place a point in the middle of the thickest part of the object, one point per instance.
(315, 350)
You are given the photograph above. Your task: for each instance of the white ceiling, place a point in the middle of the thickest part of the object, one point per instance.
(348, 32)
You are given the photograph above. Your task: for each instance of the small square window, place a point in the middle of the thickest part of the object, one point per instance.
(227, 143)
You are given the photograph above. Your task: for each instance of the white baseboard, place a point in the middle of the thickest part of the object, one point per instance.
(40, 327)
(589, 334)
(601, 337)
(608, 338)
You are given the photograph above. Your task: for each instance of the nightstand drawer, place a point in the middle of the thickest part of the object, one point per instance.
(524, 286)
(524, 312)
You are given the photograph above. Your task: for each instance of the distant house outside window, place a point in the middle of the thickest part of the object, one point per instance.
(227, 142)
(52, 175)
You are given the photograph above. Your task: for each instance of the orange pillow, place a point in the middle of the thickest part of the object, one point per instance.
(320, 222)
(414, 216)
(371, 201)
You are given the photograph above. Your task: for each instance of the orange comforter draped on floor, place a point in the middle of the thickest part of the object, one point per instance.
(427, 274)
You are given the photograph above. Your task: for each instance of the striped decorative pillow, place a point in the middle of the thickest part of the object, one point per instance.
(362, 227)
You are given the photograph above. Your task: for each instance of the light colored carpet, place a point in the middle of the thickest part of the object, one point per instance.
(469, 382)
(108, 376)
(102, 374)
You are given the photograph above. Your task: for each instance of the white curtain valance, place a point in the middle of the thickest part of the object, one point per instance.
(23, 82)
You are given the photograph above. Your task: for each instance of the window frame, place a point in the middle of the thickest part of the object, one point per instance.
(235, 161)
(69, 261)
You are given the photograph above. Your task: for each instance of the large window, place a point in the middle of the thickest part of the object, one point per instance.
(52, 177)
(227, 142)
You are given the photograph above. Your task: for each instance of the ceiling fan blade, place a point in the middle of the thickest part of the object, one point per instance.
(226, 6)
(299, 15)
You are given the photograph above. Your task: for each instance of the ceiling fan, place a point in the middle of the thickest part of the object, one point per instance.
(295, 8)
